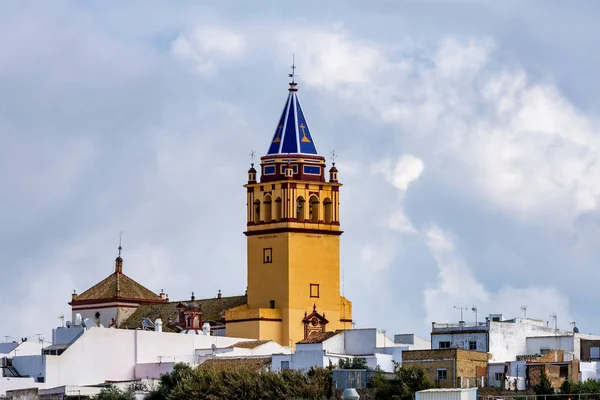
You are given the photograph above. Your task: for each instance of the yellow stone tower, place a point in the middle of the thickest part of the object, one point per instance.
(293, 233)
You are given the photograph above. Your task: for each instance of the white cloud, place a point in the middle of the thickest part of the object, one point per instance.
(457, 285)
(205, 44)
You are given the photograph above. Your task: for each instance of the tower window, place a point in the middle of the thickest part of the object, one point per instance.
(314, 290)
(327, 206)
(300, 215)
(268, 210)
(256, 211)
(272, 303)
(267, 255)
(314, 209)
(278, 209)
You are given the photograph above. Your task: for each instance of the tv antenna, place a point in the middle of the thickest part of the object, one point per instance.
(333, 157)
(461, 311)
(474, 309)
(524, 309)
(555, 318)
(62, 320)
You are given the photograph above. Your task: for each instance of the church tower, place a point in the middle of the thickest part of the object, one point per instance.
(293, 238)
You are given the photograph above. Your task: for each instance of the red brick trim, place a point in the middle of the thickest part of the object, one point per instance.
(115, 299)
(293, 230)
(109, 306)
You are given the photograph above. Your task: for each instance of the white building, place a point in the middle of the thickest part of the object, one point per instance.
(81, 356)
(506, 339)
(329, 347)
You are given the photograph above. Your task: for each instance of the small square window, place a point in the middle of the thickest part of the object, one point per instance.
(314, 290)
(442, 374)
(444, 345)
(544, 350)
(594, 352)
(267, 255)
(472, 345)
(285, 365)
(498, 376)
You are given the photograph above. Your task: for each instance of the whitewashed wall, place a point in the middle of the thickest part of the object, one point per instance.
(15, 384)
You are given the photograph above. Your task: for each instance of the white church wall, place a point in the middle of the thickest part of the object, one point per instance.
(107, 313)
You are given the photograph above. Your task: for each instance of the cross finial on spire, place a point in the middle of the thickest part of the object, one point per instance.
(120, 238)
(333, 157)
(293, 67)
(252, 154)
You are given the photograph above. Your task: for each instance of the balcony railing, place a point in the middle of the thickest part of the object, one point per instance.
(460, 326)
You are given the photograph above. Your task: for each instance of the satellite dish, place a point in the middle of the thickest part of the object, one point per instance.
(77, 319)
(87, 323)
(69, 324)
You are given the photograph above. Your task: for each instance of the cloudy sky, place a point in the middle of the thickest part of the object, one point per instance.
(468, 135)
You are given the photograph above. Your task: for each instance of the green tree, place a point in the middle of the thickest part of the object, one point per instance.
(408, 381)
(168, 381)
(112, 393)
(353, 363)
(544, 387)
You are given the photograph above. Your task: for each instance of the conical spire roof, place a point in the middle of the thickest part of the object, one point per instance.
(292, 135)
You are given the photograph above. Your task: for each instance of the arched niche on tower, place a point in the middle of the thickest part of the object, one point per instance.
(314, 208)
(268, 209)
(278, 209)
(300, 209)
(256, 212)
(327, 210)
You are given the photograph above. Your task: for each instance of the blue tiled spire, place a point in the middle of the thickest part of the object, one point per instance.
(292, 135)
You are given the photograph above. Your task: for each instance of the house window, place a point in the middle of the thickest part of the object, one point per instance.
(267, 255)
(544, 350)
(285, 365)
(314, 290)
(472, 345)
(594, 352)
(442, 374)
(444, 345)
(498, 376)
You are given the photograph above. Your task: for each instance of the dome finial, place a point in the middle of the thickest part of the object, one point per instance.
(293, 75)
(120, 238)
(119, 260)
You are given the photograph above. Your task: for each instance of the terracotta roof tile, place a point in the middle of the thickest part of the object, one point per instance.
(318, 337)
(107, 289)
(228, 363)
(211, 311)
(252, 344)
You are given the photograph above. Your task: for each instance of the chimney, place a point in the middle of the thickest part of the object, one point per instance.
(73, 295)
(193, 297)
(167, 297)
(162, 294)
(219, 294)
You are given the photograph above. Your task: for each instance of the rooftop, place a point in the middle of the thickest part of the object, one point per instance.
(211, 311)
(226, 363)
(117, 285)
(318, 338)
(292, 135)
